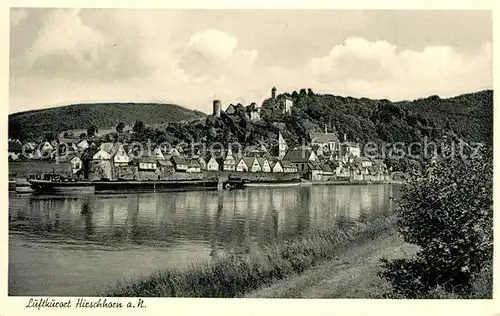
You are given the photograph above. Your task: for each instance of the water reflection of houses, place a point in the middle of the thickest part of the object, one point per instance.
(227, 219)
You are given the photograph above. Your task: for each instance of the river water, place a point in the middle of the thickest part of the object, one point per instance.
(79, 246)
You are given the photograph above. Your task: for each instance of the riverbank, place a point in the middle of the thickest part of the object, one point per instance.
(355, 182)
(352, 274)
(236, 275)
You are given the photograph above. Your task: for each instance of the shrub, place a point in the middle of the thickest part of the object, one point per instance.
(447, 210)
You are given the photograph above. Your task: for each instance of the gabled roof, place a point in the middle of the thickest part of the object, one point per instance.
(220, 161)
(158, 153)
(179, 160)
(107, 147)
(15, 147)
(324, 137)
(147, 159)
(286, 164)
(66, 158)
(297, 155)
(89, 153)
(326, 167)
(83, 141)
(248, 161)
(194, 163)
(314, 166)
(262, 160)
(166, 163)
(272, 163)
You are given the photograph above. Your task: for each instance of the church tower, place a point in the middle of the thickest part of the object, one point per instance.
(273, 93)
(282, 147)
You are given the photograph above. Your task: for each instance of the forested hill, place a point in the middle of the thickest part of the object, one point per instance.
(30, 124)
(468, 116)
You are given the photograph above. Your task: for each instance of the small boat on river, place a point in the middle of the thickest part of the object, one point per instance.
(23, 186)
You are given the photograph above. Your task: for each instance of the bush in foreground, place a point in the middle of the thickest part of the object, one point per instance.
(233, 276)
(447, 210)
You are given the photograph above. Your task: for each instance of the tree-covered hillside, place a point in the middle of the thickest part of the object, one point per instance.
(469, 117)
(30, 124)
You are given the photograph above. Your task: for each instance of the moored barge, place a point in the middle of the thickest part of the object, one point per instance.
(59, 186)
(154, 185)
(120, 186)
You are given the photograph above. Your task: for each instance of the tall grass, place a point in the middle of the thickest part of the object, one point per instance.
(234, 275)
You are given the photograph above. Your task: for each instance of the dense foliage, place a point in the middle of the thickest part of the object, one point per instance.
(447, 210)
(26, 125)
(468, 117)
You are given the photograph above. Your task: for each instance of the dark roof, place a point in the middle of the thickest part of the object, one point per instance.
(15, 147)
(147, 159)
(220, 161)
(89, 153)
(324, 138)
(194, 163)
(248, 161)
(326, 167)
(297, 155)
(262, 161)
(286, 164)
(314, 165)
(163, 162)
(179, 160)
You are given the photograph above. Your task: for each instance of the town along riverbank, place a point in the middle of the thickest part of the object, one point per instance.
(235, 275)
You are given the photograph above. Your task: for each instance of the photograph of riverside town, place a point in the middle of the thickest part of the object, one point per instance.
(250, 153)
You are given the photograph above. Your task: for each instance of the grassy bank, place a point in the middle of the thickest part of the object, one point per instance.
(234, 276)
(353, 274)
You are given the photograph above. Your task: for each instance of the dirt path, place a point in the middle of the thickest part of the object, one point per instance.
(352, 275)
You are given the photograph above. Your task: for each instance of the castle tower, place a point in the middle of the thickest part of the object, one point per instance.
(273, 93)
(217, 108)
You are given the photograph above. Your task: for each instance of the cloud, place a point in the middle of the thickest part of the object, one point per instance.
(64, 33)
(213, 53)
(92, 55)
(379, 69)
(213, 43)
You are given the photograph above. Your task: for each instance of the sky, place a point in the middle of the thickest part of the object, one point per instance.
(191, 57)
